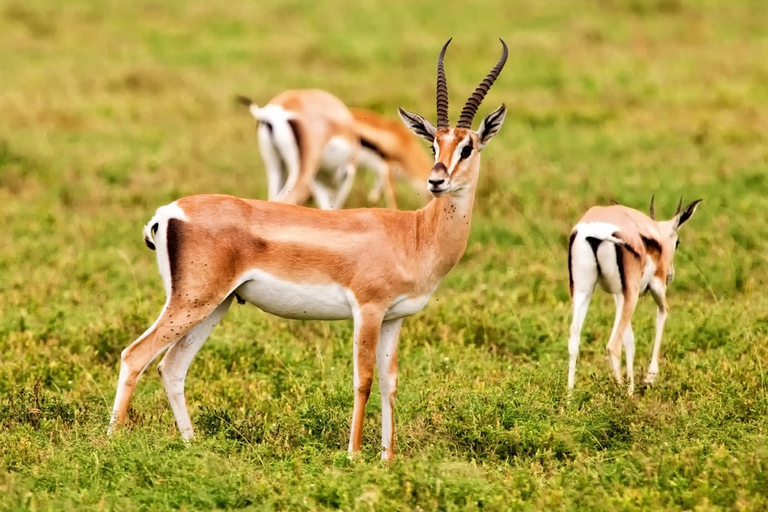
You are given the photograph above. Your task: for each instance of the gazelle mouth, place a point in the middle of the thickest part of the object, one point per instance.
(437, 191)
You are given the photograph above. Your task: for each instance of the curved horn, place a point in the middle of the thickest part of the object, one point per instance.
(679, 205)
(473, 103)
(442, 91)
(653, 209)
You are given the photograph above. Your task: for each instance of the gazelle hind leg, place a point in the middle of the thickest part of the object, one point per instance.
(175, 364)
(625, 307)
(581, 300)
(658, 291)
(175, 321)
(273, 165)
(386, 362)
(629, 349)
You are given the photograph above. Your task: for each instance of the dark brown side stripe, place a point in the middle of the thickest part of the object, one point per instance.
(373, 147)
(174, 240)
(296, 129)
(570, 267)
(652, 246)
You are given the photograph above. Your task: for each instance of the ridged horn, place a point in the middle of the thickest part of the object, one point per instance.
(474, 101)
(442, 91)
(653, 208)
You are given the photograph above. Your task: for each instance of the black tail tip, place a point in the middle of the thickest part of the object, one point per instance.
(243, 100)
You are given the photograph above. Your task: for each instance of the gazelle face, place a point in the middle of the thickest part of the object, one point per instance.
(455, 151)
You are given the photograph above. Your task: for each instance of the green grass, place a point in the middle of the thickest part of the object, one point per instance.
(110, 109)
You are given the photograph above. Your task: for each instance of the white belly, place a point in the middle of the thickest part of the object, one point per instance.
(314, 302)
(293, 300)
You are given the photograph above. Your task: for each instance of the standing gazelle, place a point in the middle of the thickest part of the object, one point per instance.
(375, 266)
(308, 143)
(627, 253)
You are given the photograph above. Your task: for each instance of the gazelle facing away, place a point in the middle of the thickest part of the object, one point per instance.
(390, 150)
(375, 266)
(627, 253)
(308, 143)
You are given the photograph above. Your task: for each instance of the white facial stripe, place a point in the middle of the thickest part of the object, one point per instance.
(457, 154)
(436, 148)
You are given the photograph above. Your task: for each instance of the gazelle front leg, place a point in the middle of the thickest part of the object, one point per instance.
(386, 361)
(368, 321)
(659, 292)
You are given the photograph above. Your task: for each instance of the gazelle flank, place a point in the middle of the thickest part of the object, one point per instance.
(374, 266)
(308, 144)
(389, 149)
(627, 253)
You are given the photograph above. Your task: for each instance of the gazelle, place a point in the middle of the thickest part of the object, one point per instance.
(375, 266)
(389, 149)
(627, 253)
(308, 143)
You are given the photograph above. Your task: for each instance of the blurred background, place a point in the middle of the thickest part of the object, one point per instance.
(111, 109)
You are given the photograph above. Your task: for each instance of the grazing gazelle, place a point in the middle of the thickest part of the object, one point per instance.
(375, 266)
(389, 149)
(627, 253)
(308, 143)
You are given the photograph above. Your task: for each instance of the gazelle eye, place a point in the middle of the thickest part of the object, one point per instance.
(433, 150)
(466, 151)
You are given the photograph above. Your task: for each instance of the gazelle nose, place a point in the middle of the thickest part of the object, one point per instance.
(435, 183)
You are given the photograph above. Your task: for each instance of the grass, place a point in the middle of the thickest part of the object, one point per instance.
(111, 109)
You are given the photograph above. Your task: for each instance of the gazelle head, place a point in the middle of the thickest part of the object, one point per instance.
(668, 229)
(457, 150)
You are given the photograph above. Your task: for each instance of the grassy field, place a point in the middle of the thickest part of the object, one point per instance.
(110, 109)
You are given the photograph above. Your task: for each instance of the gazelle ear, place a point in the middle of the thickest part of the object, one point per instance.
(686, 213)
(491, 124)
(418, 124)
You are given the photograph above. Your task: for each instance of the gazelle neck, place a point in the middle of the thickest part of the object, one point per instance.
(444, 227)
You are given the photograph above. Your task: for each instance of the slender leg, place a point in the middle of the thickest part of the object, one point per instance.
(175, 321)
(581, 300)
(367, 326)
(347, 173)
(322, 195)
(301, 176)
(272, 163)
(380, 168)
(659, 293)
(386, 361)
(389, 188)
(629, 347)
(625, 307)
(173, 368)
